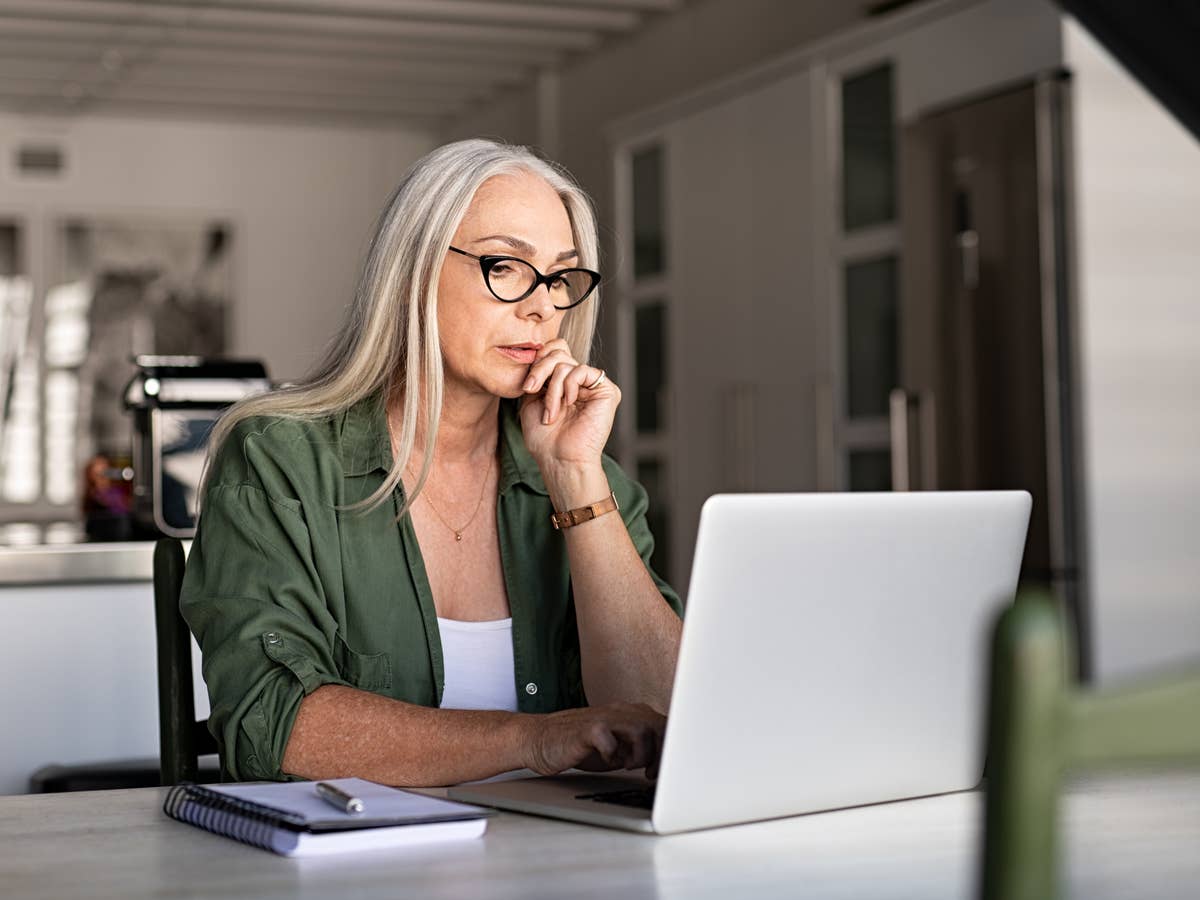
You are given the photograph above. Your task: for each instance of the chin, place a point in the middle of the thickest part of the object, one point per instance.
(509, 393)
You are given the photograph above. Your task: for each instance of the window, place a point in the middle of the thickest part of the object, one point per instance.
(868, 150)
(645, 303)
(108, 288)
(865, 263)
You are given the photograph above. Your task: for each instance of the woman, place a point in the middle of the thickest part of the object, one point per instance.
(376, 584)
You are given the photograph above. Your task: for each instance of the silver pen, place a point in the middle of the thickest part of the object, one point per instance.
(335, 796)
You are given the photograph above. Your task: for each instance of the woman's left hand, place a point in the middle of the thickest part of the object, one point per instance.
(565, 422)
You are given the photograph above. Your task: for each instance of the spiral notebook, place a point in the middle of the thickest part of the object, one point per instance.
(293, 820)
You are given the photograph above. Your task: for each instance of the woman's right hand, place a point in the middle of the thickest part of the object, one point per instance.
(595, 738)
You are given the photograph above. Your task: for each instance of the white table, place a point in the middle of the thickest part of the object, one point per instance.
(1123, 838)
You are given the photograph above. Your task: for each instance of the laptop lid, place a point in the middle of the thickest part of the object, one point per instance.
(835, 651)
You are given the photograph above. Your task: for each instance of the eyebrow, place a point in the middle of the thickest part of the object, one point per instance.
(524, 246)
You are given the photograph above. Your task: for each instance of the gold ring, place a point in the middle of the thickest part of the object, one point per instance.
(599, 381)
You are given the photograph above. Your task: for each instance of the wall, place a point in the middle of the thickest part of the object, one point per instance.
(1138, 189)
(303, 200)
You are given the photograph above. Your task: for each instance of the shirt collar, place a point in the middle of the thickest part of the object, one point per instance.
(367, 447)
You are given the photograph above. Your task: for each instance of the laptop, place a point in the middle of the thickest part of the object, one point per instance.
(834, 654)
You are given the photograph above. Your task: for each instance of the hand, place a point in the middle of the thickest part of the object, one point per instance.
(596, 738)
(564, 421)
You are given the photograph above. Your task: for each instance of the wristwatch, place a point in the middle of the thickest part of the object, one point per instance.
(581, 514)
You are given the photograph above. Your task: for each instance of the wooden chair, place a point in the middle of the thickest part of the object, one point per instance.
(1039, 725)
(182, 740)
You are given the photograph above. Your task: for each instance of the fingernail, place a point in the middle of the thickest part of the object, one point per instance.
(545, 417)
(529, 383)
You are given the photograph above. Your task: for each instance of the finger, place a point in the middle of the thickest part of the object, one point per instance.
(645, 749)
(656, 758)
(556, 347)
(554, 391)
(605, 743)
(637, 743)
(553, 345)
(541, 369)
(577, 381)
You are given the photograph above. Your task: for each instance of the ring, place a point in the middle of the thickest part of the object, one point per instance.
(599, 381)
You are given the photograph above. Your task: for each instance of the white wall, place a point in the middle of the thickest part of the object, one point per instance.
(1138, 189)
(302, 198)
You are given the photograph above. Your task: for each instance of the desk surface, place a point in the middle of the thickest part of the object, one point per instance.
(1122, 838)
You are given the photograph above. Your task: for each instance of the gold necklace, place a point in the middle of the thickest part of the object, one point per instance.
(458, 532)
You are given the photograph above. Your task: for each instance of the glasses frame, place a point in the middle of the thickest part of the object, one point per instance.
(488, 261)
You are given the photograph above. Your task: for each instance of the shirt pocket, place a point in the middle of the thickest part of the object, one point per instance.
(368, 671)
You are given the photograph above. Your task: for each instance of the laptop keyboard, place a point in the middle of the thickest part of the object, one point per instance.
(639, 798)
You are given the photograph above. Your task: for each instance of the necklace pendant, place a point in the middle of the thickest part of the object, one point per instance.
(458, 536)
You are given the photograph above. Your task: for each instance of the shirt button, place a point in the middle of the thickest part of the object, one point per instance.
(531, 689)
(272, 637)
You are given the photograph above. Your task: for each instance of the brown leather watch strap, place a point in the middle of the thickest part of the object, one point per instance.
(579, 515)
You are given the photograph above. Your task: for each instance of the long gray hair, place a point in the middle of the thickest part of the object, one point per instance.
(389, 341)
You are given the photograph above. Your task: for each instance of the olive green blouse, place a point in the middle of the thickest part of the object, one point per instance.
(286, 590)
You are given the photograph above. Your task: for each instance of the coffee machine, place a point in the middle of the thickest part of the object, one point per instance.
(175, 401)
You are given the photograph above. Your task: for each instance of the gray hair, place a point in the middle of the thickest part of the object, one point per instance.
(389, 340)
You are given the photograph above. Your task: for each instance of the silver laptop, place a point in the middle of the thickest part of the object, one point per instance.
(834, 654)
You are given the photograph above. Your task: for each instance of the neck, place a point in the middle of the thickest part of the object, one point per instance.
(468, 429)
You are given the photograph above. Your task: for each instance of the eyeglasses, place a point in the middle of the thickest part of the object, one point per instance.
(512, 280)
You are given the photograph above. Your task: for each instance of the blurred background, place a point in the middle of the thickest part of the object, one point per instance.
(848, 245)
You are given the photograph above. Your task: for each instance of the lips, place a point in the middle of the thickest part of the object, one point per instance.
(524, 353)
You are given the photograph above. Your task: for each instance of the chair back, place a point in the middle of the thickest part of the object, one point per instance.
(1040, 725)
(182, 740)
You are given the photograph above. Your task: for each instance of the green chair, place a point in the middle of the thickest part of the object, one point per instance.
(1039, 726)
(182, 740)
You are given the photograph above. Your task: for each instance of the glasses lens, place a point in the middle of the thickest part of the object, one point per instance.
(571, 286)
(511, 279)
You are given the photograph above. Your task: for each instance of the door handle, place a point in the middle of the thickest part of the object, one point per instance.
(902, 406)
(898, 402)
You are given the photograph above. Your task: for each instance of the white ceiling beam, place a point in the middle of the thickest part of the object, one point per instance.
(131, 12)
(649, 6)
(190, 110)
(40, 54)
(500, 12)
(271, 100)
(234, 99)
(103, 35)
(315, 85)
(315, 88)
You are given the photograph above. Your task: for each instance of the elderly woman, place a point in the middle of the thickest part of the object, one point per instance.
(418, 566)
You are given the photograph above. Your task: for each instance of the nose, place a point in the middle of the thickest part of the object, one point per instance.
(538, 305)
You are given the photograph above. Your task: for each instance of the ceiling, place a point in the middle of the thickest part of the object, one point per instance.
(403, 62)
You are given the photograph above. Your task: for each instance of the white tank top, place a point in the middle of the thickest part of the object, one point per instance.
(478, 661)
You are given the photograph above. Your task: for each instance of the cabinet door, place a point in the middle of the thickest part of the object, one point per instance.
(744, 349)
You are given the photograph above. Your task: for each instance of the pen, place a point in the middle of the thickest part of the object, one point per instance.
(335, 796)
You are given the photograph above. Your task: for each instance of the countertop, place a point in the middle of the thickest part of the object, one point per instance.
(80, 563)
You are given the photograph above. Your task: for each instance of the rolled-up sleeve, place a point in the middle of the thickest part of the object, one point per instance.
(253, 598)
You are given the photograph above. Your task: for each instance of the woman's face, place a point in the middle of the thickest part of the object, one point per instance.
(488, 345)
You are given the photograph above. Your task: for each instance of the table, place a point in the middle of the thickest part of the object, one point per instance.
(1122, 837)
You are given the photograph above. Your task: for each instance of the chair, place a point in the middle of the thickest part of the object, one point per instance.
(1039, 726)
(182, 740)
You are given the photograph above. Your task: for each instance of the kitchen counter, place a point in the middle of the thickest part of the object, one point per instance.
(78, 648)
(82, 563)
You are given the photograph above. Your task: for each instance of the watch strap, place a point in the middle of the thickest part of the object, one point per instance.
(572, 517)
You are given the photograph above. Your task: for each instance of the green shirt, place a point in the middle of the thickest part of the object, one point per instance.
(286, 592)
